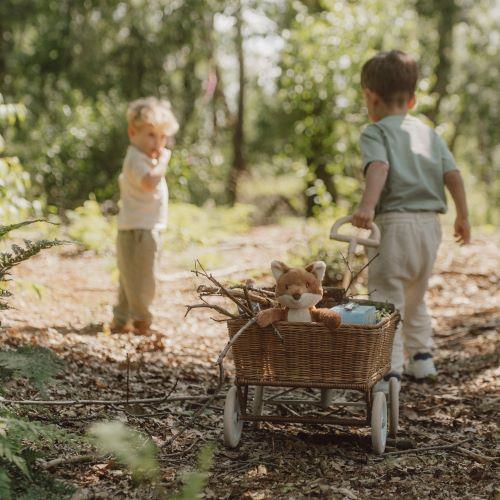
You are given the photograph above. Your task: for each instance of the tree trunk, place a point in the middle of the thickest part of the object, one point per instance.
(319, 169)
(238, 166)
(447, 17)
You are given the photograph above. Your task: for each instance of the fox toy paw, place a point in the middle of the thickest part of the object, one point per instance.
(329, 318)
(269, 316)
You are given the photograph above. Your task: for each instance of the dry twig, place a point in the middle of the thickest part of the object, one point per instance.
(68, 460)
(210, 306)
(265, 300)
(223, 290)
(449, 446)
(354, 276)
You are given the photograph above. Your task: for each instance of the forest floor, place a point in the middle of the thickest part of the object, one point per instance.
(273, 461)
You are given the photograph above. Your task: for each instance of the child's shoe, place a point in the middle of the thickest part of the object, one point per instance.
(120, 327)
(142, 327)
(383, 384)
(421, 366)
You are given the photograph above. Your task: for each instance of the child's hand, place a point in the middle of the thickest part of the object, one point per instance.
(164, 157)
(462, 231)
(363, 217)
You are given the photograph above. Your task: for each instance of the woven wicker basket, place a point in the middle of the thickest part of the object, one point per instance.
(351, 357)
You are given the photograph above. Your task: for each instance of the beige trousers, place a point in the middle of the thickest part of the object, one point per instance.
(400, 275)
(137, 254)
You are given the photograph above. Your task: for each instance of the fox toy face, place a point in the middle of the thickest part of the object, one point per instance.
(298, 288)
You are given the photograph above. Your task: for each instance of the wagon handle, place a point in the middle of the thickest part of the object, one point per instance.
(354, 241)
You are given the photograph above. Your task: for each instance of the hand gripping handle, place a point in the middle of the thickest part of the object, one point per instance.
(372, 241)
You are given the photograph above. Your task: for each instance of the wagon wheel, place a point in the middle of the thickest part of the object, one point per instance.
(379, 423)
(233, 425)
(258, 400)
(393, 406)
(326, 398)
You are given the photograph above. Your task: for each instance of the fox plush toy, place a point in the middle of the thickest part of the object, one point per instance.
(298, 290)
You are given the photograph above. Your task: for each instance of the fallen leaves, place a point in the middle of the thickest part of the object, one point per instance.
(272, 461)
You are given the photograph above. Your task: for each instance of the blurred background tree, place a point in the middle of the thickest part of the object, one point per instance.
(266, 91)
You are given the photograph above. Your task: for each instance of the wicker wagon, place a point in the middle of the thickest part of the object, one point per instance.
(311, 356)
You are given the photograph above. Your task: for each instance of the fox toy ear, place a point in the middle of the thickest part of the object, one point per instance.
(279, 269)
(317, 268)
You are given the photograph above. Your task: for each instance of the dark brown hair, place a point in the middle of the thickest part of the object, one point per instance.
(392, 75)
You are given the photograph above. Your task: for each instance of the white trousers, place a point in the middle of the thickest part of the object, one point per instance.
(400, 275)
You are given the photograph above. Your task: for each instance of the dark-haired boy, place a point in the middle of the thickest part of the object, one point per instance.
(406, 166)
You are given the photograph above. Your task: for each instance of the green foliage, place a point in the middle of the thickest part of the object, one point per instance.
(7, 229)
(15, 182)
(138, 453)
(134, 450)
(318, 114)
(37, 364)
(75, 145)
(195, 481)
(189, 224)
(304, 110)
(20, 442)
(90, 227)
(18, 254)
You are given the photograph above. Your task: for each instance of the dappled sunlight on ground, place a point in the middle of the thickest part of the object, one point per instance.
(274, 461)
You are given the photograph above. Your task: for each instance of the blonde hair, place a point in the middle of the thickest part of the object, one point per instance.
(154, 111)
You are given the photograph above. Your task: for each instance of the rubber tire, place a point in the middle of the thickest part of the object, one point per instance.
(233, 426)
(326, 398)
(258, 400)
(393, 407)
(379, 423)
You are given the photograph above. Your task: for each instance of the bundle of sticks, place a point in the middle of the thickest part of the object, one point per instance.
(248, 298)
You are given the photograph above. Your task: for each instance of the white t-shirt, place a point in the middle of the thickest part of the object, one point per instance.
(141, 209)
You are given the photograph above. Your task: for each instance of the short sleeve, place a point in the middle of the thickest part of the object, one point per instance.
(372, 146)
(136, 167)
(447, 159)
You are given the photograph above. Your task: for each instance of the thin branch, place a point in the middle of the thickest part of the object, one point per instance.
(210, 306)
(68, 460)
(277, 332)
(223, 290)
(177, 454)
(247, 298)
(346, 261)
(98, 402)
(268, 293)
(267, 301)
(128, 376)
(449, 446)
(354, 276)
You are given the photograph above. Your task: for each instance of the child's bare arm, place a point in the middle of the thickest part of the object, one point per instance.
(154, 176)
(376, 176)
(453, 181)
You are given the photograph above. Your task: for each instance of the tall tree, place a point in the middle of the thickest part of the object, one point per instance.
(238, 164)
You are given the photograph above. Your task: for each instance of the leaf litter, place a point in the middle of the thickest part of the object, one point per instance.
(272, 461)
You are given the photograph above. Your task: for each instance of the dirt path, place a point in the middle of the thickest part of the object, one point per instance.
(273, 461)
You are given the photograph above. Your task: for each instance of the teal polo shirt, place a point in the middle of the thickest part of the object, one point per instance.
(418, 159)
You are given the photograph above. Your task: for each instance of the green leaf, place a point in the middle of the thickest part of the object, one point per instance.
(136, 451)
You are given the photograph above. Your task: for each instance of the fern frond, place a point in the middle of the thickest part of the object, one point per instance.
(5, 491)
(7, 229)
(37, 364)
(19, 440)
(19, 254)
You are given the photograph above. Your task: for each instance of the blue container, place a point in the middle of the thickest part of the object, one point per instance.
(356, 314)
